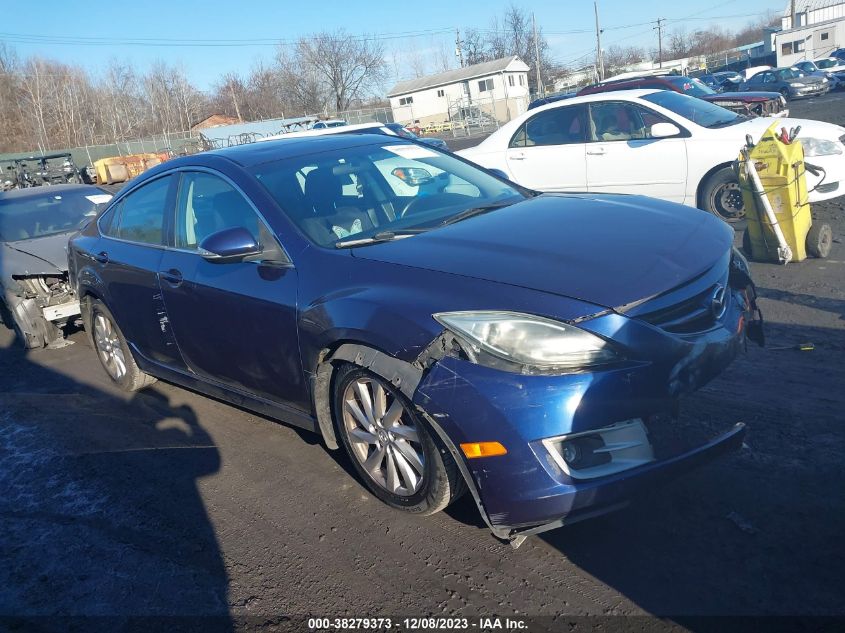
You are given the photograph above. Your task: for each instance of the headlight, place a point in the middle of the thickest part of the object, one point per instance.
(526, 343)
(820, 147)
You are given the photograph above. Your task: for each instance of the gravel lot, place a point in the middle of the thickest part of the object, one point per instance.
(167, 503)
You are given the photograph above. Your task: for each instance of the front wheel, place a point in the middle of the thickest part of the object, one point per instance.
(722, 196)
(113, 351)
(390, 446)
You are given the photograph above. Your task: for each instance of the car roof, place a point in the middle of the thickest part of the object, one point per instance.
(45, 191)
(341, 129)
(607, 95)
(252, 154)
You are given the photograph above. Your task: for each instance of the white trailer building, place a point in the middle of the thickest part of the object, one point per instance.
(495, 89)
(818, 31)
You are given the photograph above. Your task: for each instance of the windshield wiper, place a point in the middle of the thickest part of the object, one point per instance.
(468, 213)
(381, 236)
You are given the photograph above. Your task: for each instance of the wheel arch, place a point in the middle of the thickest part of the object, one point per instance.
(405, 377)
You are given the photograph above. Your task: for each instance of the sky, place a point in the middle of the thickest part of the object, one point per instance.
(211, 37)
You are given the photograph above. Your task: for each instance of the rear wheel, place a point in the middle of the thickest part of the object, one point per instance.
(113, 351)
(721, 195)
(819, 240)
(390, 446)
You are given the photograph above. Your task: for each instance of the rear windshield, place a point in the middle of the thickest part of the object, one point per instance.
(694, 87)
(49, 214)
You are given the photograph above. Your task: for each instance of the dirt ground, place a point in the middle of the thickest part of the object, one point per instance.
(166, 503)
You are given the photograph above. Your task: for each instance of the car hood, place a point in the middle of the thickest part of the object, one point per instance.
(39, 256)
(806, 79)
(609, 250)
(743, 96)
(758, 125)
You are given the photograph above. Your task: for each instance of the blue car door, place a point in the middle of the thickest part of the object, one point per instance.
(128, 256)
(234, 322)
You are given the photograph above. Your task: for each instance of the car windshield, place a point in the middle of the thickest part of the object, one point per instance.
(376, 192)
(48, 214)
(785, 74)
(828, 63)
(700, 112)
(694, 87)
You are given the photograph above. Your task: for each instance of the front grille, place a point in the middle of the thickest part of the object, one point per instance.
(688, 316)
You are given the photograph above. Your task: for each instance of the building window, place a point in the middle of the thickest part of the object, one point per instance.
(485, 85)
(825, 35)
(406, 101)
(522, 80)
(786, 49)
(798, 46)
(511, 82)
(441, 93)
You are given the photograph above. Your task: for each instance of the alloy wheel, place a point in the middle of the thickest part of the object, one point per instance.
(383, 437)
(108, 346)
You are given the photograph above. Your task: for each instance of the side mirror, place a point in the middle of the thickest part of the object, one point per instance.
(229, 245)
(413, 176)
(664, 130)
(499, 173)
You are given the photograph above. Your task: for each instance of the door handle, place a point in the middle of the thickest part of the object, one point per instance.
(172, 276)
(598, 151)
(102, 257)
(517, 157)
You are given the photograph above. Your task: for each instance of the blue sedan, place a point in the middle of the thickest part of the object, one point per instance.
(448, 329)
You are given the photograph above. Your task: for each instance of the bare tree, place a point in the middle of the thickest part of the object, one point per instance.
(346, 67)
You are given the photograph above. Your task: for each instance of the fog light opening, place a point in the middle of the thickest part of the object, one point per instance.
(584, 452)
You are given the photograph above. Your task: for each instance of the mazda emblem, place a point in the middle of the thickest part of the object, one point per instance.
(718, 305)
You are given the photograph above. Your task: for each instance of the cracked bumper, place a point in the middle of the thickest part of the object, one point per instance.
(527, 487)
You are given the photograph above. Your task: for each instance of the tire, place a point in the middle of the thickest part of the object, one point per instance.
(721, 196)
(785, 93)
(434, 480)
(819, 240)
(112, 350)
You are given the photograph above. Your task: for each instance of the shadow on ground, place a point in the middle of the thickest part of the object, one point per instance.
(106, 528)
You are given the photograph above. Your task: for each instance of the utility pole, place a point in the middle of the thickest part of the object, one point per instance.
(599, 60)
(659, 29)
(458, 52)
(537, 55)
(235, 101)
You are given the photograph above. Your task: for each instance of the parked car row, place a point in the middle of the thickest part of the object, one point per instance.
(769, 103)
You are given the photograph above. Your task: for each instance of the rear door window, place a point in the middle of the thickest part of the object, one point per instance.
(142, 212)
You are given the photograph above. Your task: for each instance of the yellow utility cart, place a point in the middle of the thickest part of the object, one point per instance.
(772, 176)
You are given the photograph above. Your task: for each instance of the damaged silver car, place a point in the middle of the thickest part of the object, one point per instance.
(35, 225)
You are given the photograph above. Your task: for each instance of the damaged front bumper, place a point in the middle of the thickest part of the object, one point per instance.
(617, 416)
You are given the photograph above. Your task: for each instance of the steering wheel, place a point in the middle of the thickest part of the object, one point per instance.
(411, 203)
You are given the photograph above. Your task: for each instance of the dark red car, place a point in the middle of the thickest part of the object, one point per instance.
(751, 103)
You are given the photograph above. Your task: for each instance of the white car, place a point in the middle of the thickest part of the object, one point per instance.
(652, 142)
(329, 123)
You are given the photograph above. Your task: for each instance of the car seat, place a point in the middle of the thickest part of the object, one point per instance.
(334, 217)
